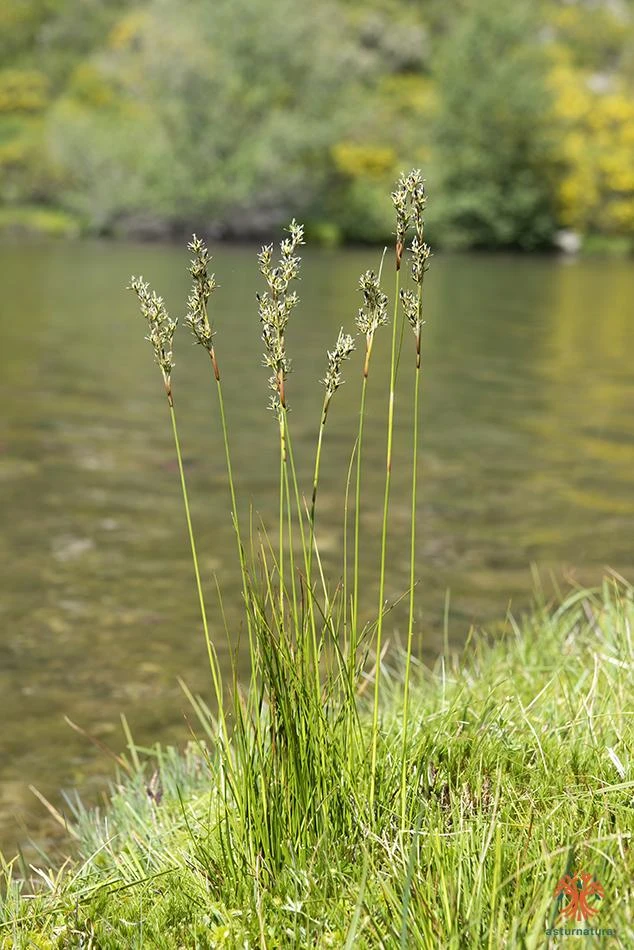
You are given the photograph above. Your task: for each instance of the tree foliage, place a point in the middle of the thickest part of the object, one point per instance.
(596, 146)
(492, 133)
(235, 114)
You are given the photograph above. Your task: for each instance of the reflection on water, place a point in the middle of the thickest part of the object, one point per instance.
(527, 454)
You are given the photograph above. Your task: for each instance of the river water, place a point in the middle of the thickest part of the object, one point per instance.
(526, 460)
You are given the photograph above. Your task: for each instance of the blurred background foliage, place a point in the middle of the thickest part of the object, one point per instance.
(232, 115)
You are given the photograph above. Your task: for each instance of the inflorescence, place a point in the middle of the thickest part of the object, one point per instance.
(342, 351)
(373, 313)
(204, 284)
(410, 199)
(275, 306)
(276, 303)
(161, 327)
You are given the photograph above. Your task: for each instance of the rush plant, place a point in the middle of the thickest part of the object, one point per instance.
(290, 743)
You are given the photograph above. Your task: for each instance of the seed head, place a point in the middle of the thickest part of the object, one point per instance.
(421, 253)
(160, 325)
(412, 308)
(409, 199)
(203, 285)
(373, 313)
(400, 201)
(418, 199)
(342, 351)
(275, 306)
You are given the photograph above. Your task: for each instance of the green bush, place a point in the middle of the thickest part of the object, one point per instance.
(493, 152)
(210, 121)
(23, 221)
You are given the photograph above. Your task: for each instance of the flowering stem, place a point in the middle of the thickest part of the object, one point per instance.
(192, 543)
(354, 635)
(311, 541)
(412, 571)
(386, 503)
(320, 437)
(281, 517)
(291, 549)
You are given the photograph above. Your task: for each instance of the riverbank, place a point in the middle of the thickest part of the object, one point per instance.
(519, 770)
(42, 222)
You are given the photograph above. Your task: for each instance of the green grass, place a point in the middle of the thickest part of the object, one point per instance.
(519, 768)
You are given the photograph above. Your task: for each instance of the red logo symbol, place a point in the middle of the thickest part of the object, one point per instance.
(574, 891)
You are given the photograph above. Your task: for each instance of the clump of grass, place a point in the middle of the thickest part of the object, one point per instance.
(519, 764)
(287, 790)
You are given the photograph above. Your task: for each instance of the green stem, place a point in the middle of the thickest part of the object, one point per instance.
(281, 517)
(291, 551)
(386, 504)
(354, 635)
(311, 543)
(301, 513)
(344, 562)
(349, 654)
(210, 650)
(234, 505)
(354, 621)
(412, 570)
(313, 503)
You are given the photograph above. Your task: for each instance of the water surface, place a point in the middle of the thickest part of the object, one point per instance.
(527, 452)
